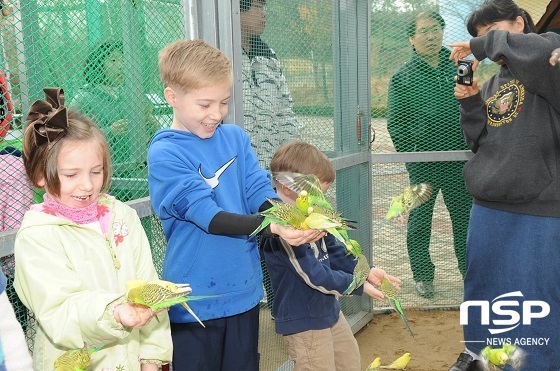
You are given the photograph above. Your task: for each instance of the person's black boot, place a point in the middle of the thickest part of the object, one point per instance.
(465, 362)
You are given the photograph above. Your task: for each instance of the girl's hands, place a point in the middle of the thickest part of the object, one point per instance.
(462, 49)
(133, 315)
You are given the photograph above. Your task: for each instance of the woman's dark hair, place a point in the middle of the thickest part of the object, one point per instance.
(245, 5)
(411, 29)
(492, 11)
(94, 72)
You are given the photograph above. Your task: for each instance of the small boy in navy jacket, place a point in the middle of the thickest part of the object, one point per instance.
(307, 280)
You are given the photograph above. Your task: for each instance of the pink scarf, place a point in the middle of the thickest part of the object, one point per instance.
(84, 215)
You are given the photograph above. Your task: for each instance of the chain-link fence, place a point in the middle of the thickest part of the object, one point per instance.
(303, 66)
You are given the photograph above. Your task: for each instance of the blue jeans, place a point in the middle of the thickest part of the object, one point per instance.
(509, 253)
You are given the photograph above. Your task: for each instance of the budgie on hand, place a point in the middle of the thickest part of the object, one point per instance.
(333, 223)
(281, 213)
(412, 197)
(160, 294)
(75, 359)
(311, 199)
(391, 295)
(400, 363)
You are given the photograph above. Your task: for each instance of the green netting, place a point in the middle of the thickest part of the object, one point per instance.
(104, 55)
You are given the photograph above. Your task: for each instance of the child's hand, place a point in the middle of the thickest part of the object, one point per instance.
(376, 274)
(373, 291)
(133, 315)
(296, 237)
(149, 367)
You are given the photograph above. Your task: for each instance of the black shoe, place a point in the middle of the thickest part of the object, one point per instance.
(465, 362)
(425, 289)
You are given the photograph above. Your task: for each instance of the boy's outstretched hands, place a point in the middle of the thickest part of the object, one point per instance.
(374, 279)
(296, 237)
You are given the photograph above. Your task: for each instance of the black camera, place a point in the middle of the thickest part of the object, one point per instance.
(464, 72)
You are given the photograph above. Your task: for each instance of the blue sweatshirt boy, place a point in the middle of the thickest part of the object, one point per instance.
(191, 180)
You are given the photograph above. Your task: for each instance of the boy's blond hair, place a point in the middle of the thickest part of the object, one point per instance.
(193, 64)
(304, 158)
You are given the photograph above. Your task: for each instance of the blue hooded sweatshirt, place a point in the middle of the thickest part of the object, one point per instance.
(191, 180)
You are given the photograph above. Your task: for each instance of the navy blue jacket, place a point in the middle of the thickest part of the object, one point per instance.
(307, 281)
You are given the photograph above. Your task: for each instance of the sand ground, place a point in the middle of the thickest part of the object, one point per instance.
(435, 346)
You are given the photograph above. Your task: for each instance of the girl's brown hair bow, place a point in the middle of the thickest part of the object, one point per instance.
(49, 118)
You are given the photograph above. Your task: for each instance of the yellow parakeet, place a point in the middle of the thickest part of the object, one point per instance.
(374, 366)
(159, 294)
(75, 359)
(412, 197)
(400, 363)
(496, 357)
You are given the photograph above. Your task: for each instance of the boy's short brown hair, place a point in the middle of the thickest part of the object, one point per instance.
(193, 64)
(304, 158)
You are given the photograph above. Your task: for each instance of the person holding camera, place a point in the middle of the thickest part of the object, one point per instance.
(423, 115)
(512, 124)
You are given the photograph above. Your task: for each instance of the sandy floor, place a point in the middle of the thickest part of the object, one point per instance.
(435, 346)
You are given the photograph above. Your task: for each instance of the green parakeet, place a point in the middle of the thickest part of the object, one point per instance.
(361, 272)
(310, 195)
(400, 363)
(391, 295)
(374, 365)
(75, 359)
(283, 214)
(412, 197)
(496, 357)
(307, 186)
(160, 294)
(330, 223)
(510, 354)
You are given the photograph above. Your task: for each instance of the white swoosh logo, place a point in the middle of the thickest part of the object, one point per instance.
(215, 180)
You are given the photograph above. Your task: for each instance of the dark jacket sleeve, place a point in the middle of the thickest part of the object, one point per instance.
(526, 55)
(473, 119)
